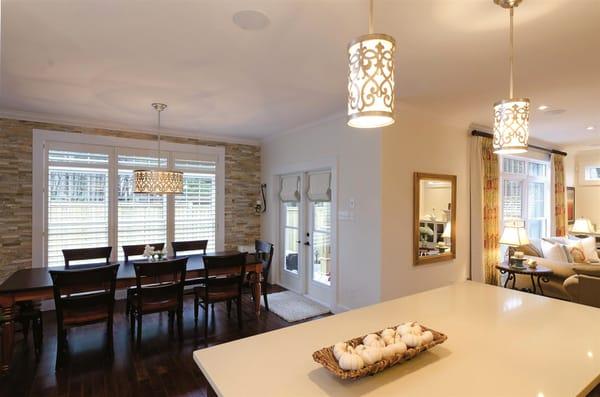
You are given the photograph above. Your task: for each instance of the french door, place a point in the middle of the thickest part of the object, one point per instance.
(306, 235)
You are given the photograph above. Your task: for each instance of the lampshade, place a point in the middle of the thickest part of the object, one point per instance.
(582, 225)
(447, 230)
(371, 81)
(158, 182)
(511, 126)
(514, 234)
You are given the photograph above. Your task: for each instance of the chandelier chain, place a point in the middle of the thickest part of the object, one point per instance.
(370, 16)
(512, 52)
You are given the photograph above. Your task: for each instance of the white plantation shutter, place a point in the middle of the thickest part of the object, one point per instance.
(142, 218)
(77, 194)
(196, 209)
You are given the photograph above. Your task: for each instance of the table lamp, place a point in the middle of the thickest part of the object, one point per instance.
(582, 225)
(514, 235)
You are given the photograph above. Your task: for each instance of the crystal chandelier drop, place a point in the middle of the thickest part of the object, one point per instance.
(371, 79)
(158, 181)
(511, 116)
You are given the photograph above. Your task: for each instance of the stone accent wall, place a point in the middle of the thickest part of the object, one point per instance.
(242, 179)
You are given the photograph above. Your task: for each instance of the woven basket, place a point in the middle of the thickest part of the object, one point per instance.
(326, 358)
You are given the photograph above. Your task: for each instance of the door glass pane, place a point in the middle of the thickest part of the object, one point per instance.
(291, 236)
(77, 209)
(512, 199)
(321, 242)
(536, 223)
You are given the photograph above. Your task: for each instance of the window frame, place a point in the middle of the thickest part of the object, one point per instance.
(45, 140)
(525, 179)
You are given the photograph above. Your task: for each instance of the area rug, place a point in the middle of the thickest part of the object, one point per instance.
(294, 307)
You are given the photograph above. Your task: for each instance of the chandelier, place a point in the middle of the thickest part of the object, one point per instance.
(158, 181)
(371, 79)
(511, 116)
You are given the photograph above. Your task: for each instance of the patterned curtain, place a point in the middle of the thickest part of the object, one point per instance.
(491, 211)
(558, 168)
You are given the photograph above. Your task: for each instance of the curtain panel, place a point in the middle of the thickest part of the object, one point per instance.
(559, 210)
(485, 211)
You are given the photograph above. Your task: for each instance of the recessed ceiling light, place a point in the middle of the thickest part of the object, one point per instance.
(590, 128)
(543, 107)
(251, 20)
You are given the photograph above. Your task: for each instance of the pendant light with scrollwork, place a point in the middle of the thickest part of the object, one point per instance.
(371, 79)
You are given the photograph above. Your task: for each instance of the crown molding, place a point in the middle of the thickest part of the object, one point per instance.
(305, 126)
(87, 123)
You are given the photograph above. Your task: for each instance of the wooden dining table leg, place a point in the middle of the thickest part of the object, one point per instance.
(256, 291)
(8, 335)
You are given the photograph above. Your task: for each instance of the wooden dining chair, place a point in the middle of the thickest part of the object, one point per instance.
(83, 297)
(179, 247)
(222, 282)
(136, 250)
(80, 254)
(264, 253)
(159, 288)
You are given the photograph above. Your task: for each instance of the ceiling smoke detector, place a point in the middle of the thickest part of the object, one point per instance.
(251, 20)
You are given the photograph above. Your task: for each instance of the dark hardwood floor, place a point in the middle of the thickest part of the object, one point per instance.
(163, 367)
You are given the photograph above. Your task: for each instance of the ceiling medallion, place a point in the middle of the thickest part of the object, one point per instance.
(371, 79)
(511, 116)
(158, 181)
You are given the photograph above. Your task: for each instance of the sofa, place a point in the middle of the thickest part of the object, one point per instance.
(562, 269)
(584, 286)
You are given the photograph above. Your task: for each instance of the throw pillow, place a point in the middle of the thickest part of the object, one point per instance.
(576, 254)
(554, 252)
(530, 250)
(589, 249)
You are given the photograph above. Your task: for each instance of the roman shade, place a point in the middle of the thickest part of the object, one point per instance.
(319, 186)
(290, 188)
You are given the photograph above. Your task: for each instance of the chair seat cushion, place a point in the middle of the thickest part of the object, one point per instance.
(154, 306)
(81, 316)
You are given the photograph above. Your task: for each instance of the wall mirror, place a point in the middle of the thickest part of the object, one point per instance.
(434, 217)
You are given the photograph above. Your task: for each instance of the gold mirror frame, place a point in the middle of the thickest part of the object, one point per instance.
(420, 260)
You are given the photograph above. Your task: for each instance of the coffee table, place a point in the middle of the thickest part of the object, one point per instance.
(542, 274)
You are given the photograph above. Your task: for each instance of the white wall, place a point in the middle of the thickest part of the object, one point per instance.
(357, 155)
(587, 195)
(419, 143)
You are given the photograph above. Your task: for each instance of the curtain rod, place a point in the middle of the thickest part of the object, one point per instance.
(543, 149)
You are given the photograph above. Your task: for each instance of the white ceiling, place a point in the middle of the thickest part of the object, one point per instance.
(105, 61)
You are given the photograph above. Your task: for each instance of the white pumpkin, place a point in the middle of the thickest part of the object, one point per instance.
(373, 340)
(393, 349)
(416, 329)
(388, 335)
(403, 329)
(411, 340)
(351, 361)
(369, 354)
(339, 348)
(426, 337)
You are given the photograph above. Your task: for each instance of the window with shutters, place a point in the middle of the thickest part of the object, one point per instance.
(88, 198)
(525, 188)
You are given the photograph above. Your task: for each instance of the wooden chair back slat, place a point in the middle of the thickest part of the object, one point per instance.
(79, 254)
(224, 273)
(162, 280)
(180, 247)
(138, 249)
(76, 290)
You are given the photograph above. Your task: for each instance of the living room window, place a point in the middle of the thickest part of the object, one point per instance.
(525, 192)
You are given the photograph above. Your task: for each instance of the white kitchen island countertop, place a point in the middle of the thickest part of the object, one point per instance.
(500, 343)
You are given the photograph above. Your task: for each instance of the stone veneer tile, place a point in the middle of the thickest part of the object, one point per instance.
(242, 179)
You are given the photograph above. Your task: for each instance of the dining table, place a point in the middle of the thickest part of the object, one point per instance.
(35, 284)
